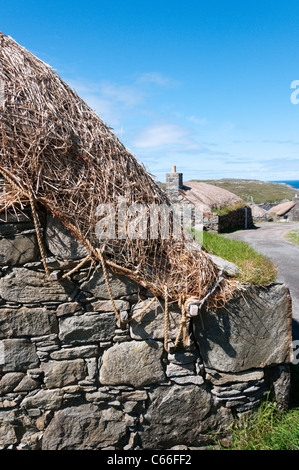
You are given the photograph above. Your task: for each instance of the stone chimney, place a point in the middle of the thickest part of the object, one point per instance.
(174, 181)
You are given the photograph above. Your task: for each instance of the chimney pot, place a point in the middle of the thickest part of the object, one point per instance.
(174, 169)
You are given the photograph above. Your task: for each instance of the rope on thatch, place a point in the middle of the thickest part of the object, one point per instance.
(38, 235)
(108, 285)
(56, 151)
(183, 325)
(28, 194)
(77, 267)
(143, 310)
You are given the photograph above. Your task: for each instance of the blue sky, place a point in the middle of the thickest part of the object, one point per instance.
(203, 85)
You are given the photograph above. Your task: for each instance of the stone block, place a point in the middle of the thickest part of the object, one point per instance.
(135, 363)
(74, 353)
(59, 374)
(68, 308)
(61, 242)
(181, 415)
(44, 400)
(9, 382)
(26, 322)
(18, 249)
(152, 324)
(85, 427)
(8, 435)
(88, 327)
(120, 285)
(27, 286)
(253, 330)
(27, 384)
(17, 355)
(106, 305)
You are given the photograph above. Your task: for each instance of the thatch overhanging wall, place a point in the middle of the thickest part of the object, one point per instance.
(56, 151)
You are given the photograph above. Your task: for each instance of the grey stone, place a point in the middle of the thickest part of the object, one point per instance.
(177, 370)
(59, 374)
(92, 369)
(136, 395)
(225, 266)
(27, 384)
(221, 378)
(242, 336)
(19, 249)
(182, 357)
(181, 416)
(74, 353)
(17, 355)
(188, 379)
(120, 285)
(61, 242)
(68, 308)
(89, 327)
(106, 305)
(8, 435)
(152, 324)
(27, 286)
(44, 399)
(280, 378)
(85, 427)
(135, 363)
(9, 381)
(26, 322)
(98, 396)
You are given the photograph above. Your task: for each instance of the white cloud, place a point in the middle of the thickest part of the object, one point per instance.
(197, 120)
(128, 95)
(156, 78)
(164, 134)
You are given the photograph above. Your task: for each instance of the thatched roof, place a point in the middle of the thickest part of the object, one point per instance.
(56, 151)
(207, 197)
(282, 209)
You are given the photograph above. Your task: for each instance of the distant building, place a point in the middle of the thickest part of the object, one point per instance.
(287, 211)
(209, 199)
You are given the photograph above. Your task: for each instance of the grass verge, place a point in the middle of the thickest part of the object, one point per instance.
(293, 236)
(254, 267)
(269, 428)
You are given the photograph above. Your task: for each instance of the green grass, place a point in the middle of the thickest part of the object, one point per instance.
(227, 209)
(269, 428)
(254, 267)
(293, 236)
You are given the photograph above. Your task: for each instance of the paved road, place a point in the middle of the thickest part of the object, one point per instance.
(268, 239)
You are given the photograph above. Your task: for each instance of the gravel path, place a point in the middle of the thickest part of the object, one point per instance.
(268, 239)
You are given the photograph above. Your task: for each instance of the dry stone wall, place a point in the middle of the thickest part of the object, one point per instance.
(72, 377)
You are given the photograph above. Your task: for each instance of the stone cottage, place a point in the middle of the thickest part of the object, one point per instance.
(208, 200)
(113, 341)
(287, 211)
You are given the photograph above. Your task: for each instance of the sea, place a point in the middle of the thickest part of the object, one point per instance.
(294, 183)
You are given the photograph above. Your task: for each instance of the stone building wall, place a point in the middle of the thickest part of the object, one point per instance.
(238, 219)
(293, 215)
(72, 377)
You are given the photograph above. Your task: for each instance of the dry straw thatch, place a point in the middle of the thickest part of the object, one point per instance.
(56, 151)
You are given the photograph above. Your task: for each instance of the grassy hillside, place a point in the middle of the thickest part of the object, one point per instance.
(255, 190)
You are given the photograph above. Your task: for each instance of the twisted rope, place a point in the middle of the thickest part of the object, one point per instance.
(38, 235)
(166, 320)
(78, 266)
